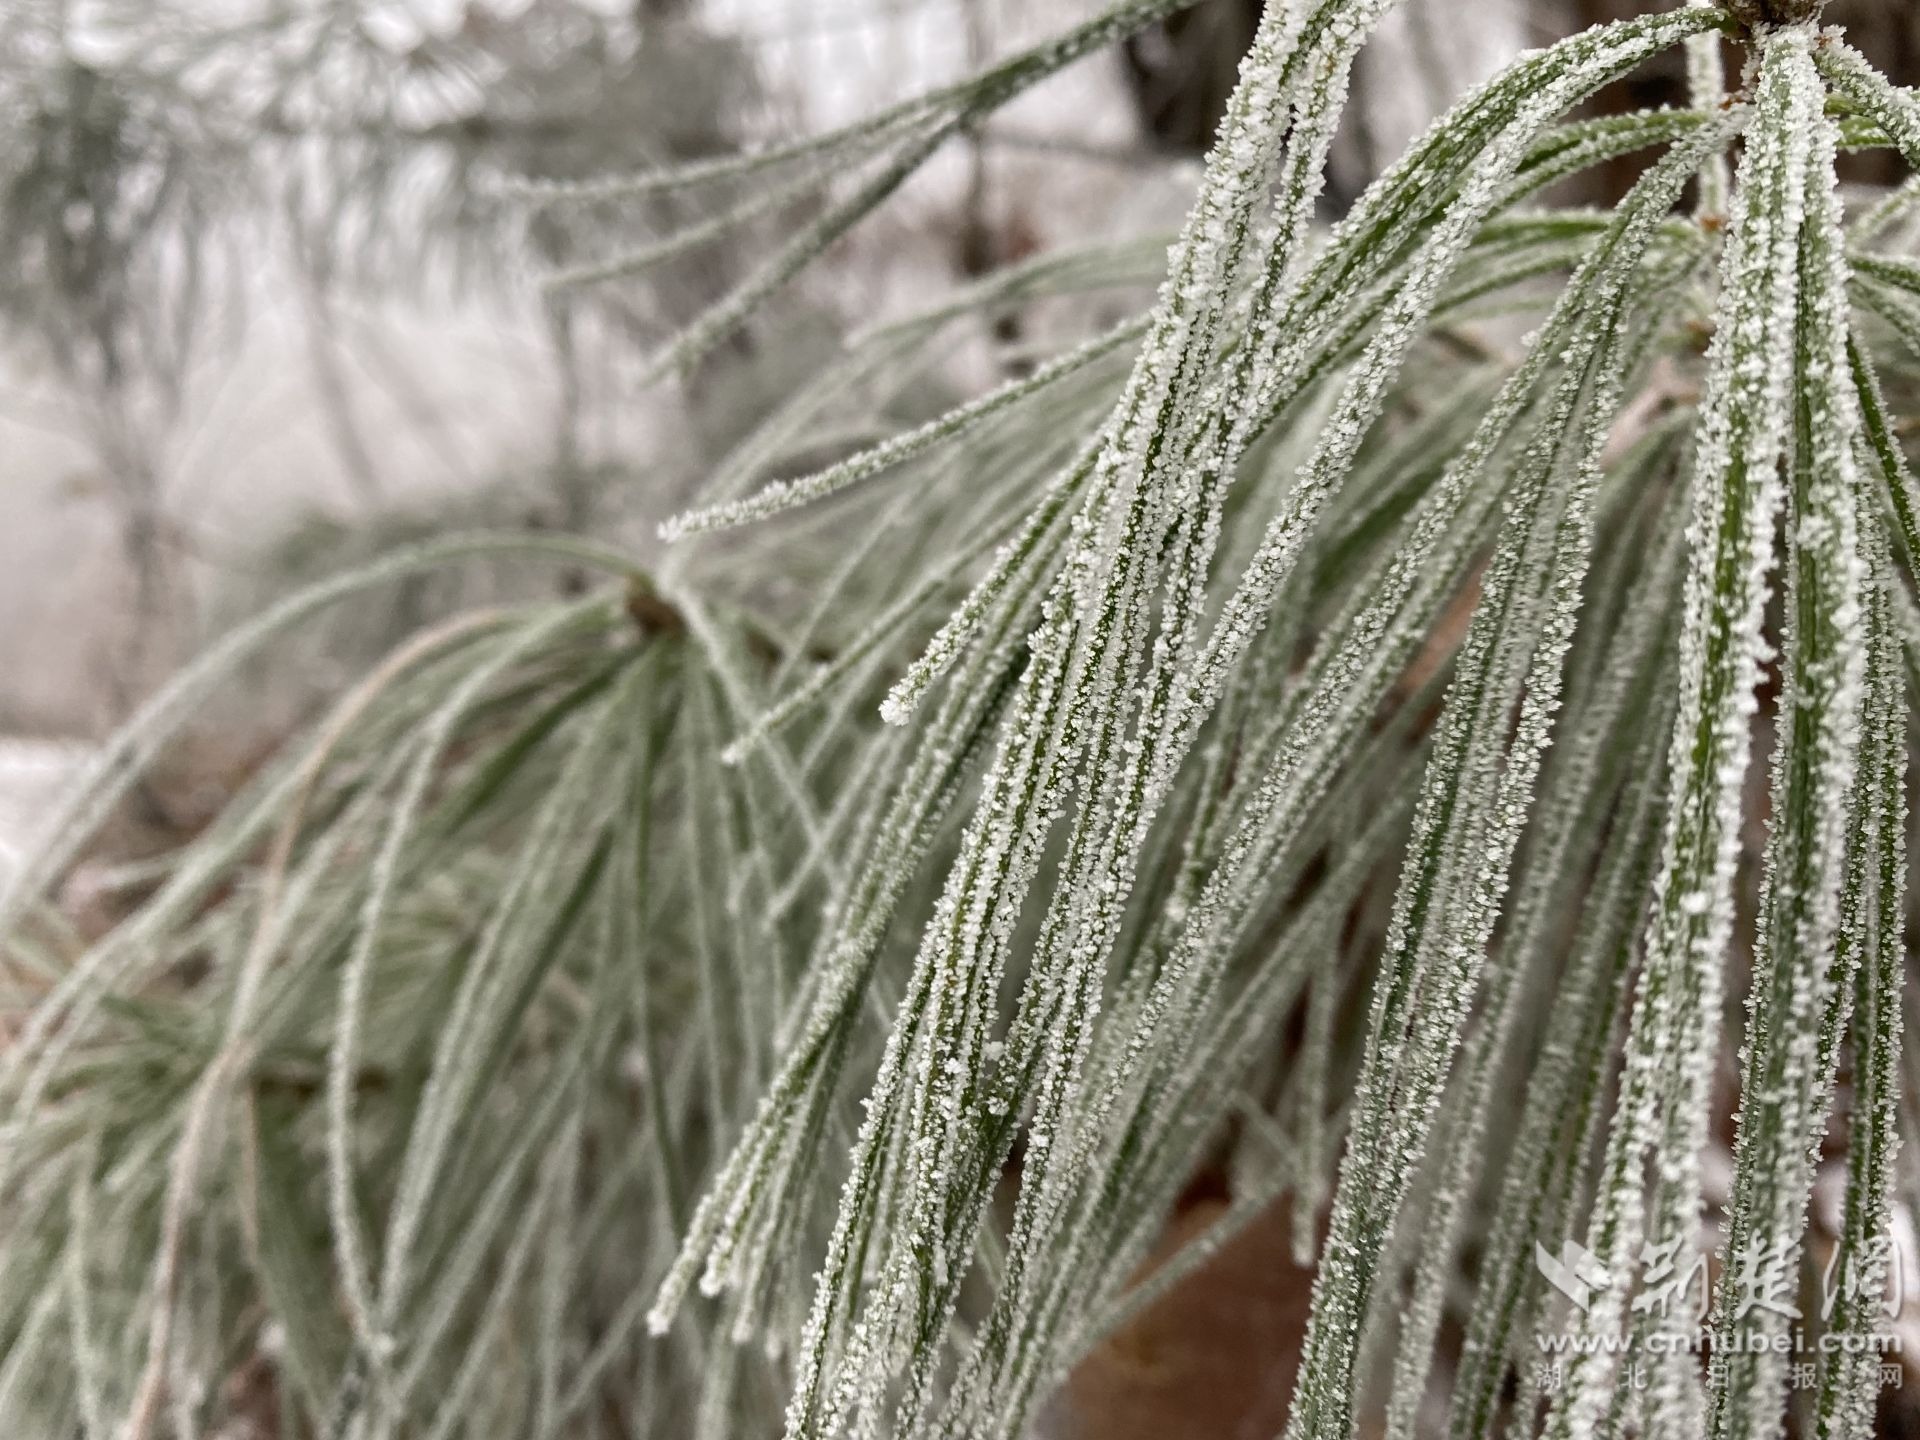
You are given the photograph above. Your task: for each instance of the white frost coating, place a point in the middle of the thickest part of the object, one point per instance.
(1472, 809)
(1046, 1211)
(1331, 310)
(342, 1207)
(1746, 420)
(914, 130)
(766, 1165)
(1084, 920)
(1587, 60)
(1570, 806)
(1706, 91)
(1787, 1080)
(1081, 923)
(1070, 678)
(1117, 687)
(786, 495)
(1895, 111)
(1873, 927)
(484, 986)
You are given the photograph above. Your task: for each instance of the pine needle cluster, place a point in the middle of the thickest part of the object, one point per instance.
(1304, 730)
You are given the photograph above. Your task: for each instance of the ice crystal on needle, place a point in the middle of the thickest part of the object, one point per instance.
(1742, 443)
(1788, 1079)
